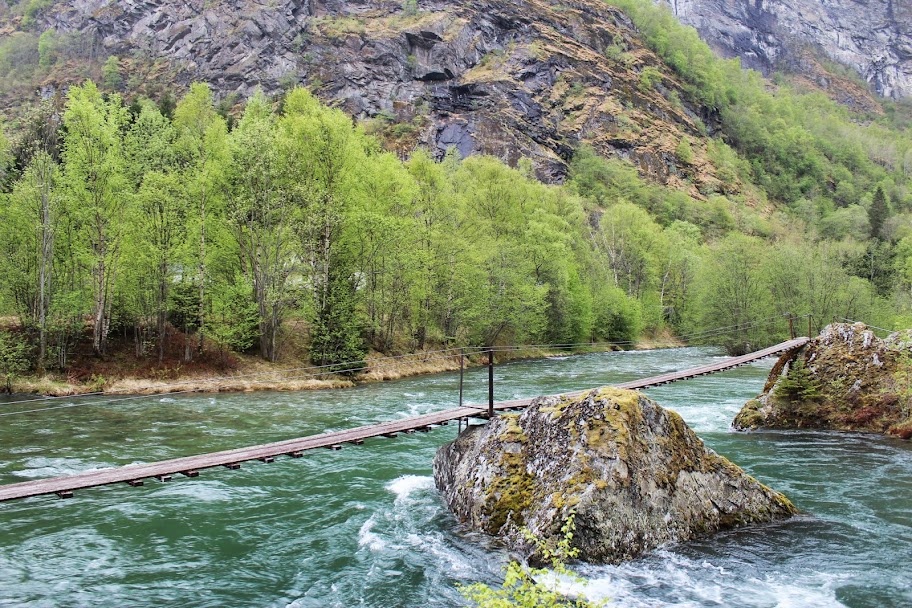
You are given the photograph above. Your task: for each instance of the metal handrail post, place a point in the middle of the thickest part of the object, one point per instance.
(490, 384)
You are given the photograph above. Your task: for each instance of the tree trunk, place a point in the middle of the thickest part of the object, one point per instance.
(202, 274)
(162, 316)
(98, 313)
(44, 278)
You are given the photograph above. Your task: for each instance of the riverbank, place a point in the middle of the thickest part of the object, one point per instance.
(247, 373)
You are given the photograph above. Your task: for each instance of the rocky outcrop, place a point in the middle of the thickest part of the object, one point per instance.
(845, 379)
(874, 37)
(633, 473)
(509, 78)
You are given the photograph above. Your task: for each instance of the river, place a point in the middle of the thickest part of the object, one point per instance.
(364, 526)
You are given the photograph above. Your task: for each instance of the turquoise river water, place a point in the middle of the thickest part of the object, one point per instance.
(365, 527)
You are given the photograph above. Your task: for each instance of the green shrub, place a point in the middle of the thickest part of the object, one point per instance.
(14, 358)
(799, 384)
(534, 587)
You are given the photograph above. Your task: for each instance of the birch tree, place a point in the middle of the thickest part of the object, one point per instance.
(261, 215)
(97, 187)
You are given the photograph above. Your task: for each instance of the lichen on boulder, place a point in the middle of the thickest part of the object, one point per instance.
(845, 379)
(633, 473)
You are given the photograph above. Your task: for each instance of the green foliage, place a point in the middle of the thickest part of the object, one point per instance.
(525, 587)
(14, 358)
(850, 222)
(732, 294)
(684, 152)
(799, 385)
(232, 320)
(163, 221)
(47, 48)
(110, 73)
(96, 186)
(410, 8)
(615, 51)
(799, 145)
(878, 213)
(618, 318)
(18, 55)
(183, 306)
(649, 78)
(336, 334)
(32, 9)
(6, 157)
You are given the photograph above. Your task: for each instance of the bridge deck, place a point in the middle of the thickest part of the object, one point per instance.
(191, 465)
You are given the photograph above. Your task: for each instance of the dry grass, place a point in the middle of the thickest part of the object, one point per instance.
(137, 386)
(381, 369)
(250, 373)
(662, 339)
(47, 385)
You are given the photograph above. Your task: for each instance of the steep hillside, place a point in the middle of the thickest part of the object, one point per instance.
(511, 79)
(872, 37)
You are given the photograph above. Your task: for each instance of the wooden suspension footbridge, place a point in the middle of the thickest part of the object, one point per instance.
(191, 466)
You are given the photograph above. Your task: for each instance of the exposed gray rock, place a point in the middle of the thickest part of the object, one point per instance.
(635, 475)
(872, 36)
(508, 78)
(845, 379)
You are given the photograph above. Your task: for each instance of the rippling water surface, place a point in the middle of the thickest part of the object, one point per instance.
(365, 527)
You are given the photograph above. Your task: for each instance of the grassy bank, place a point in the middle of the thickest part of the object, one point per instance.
(244, 373)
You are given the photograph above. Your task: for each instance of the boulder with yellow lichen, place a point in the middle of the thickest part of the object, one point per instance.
(634, 473)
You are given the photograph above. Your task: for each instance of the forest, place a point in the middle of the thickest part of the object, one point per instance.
(285, 226)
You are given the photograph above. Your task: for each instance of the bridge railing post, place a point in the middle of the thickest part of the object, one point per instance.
(461, 372)
(490, 384)
(791, 326)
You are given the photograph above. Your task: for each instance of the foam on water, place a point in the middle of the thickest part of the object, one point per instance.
(368, 538)
(403, 487)
(669, 579)
(40, 467)
(206, 491)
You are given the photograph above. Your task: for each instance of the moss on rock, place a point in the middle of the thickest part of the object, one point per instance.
(633, 472)
(845, 379)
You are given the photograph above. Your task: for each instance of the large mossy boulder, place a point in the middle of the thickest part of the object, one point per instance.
(635, 475)
(845, 379)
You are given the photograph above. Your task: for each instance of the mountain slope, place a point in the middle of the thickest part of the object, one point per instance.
(873, 37)
(511, 79)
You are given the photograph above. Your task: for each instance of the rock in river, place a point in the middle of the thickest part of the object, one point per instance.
(845, 379)
(635, 475)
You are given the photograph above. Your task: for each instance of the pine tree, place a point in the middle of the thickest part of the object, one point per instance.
(878, 212)
(336, 333)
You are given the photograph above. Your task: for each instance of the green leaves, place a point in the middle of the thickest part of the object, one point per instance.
(525, 587)
(14, 358)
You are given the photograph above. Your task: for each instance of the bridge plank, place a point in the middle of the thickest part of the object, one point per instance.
(132, 474)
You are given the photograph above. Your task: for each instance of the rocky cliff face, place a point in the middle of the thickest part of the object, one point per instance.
(635, 475)
(845, 379)
(503, 77)
(874, 37)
